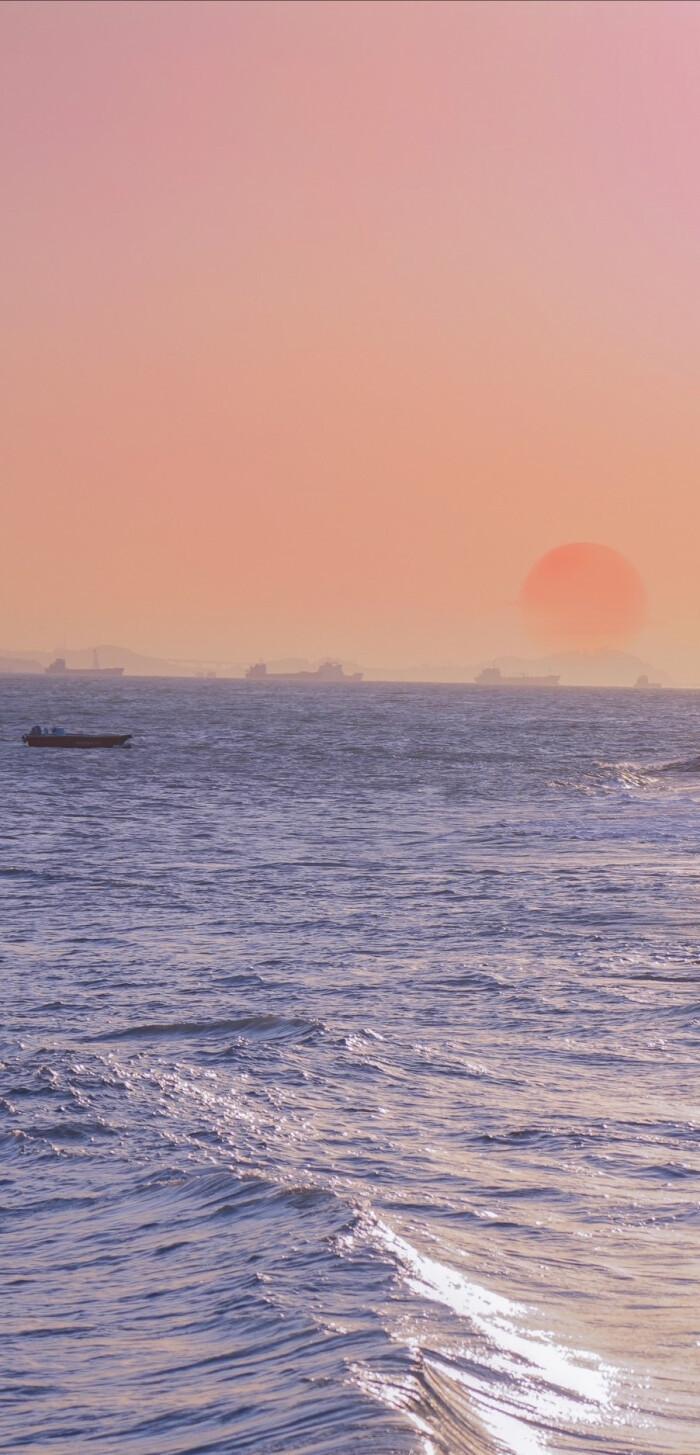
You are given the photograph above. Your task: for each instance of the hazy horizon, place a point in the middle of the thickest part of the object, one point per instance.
(600, 667)
(324, 323)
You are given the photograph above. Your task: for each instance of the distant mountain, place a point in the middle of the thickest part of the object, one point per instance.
(583, 669)
(10, 664)
(135, 664)
(445, 672)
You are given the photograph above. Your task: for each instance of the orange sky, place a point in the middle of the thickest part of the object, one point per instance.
(321, 322)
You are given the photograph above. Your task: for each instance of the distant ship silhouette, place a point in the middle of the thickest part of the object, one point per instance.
(493, 677)
(327, 672)
(58, 668)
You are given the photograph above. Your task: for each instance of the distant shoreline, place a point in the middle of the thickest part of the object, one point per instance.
(279, 680)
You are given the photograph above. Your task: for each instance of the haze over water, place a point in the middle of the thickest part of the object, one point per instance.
(349, 1071)
(322, 322)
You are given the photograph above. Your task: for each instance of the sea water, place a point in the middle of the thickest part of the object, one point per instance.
(349, 1071)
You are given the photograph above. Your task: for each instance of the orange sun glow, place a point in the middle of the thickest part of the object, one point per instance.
(583, 596)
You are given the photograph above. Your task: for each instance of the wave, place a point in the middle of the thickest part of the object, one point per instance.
(682, 765)
(494, 1390)
(70, 1131)
(271, 1027)
(200, 1266)
(479, 1382)
(503, 1387)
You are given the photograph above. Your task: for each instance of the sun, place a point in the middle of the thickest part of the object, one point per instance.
(583, 596)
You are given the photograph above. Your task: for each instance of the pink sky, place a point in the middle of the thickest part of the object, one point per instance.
(323, 321)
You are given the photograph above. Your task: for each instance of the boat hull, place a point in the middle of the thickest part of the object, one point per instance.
(76, 740)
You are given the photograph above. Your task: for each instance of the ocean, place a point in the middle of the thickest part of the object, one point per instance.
(349, 1071)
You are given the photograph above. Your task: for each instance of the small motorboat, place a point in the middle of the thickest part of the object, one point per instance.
(55, 737)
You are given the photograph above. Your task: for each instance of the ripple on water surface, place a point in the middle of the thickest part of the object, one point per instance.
(348, 1096)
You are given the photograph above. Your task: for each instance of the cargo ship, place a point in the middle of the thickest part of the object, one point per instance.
(59, 668)
(327, 672)
(493, 677)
